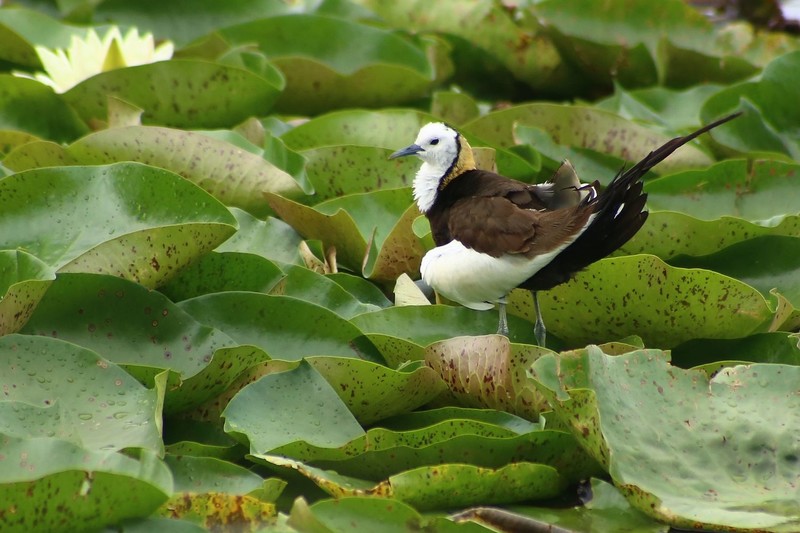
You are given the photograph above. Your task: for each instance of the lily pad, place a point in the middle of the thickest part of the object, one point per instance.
(221, 272)
(776, 347)
(232, 175)
(668, 44)
(668, 234)
(765, 263)
(372, 391)
(110, 487)
(772, 127)
(301, 406)
(23, 281)
(585, 127)
(442, 486)
(761, 194)
(33, 108)
(46, 395)
(530, 57)
(153, 222)
(369, 514)
(305, 284)
(275, 323)
(680, 449)
(271, 238)
(109, 316)
(487, 372)
(604, 303)
(370, 67)
(180, 93)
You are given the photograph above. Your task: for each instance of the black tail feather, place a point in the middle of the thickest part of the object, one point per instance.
(619, 215)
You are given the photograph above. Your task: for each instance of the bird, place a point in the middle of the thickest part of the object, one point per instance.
(494, 234)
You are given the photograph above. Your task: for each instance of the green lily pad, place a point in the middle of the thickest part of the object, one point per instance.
(234, 176)
(271, 239)
(425, 324)
(207, 474)
(180, 93)
(195, 438)
(305, 284)
(485, 438)
(369, 514)
(371, 231)
(692, 452)
(275, 323)
(642, 295)
(372, 391)
(772, 126)
(668, 234)
(126, 219)
(110, 487)
(765, 263)
(10, 139)
(183, 21)
(776, 347)
(442, 486)
(56, 389)
(668, 44)
(300, 406)
(390, 129)
(585, 127)
(22, 29)
(608, 510)
(346, 169)
(491, 29)
(109, 315)
(23, 281)
(221, 272)
(678, 109)
(760, 194)
(38, 154)
(370, 67)
(487, 372)
(31, 107)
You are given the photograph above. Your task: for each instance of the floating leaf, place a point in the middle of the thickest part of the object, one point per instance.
(110, 487)
(55, 389)
(442, 486)
(372, 391)
(232, 175)
(604, 302)
(152, 222)
(777, 347)
(773, 124)
(180, 93)
(667, 234)
(305, 284)
(658, 444)
(275, 323)
(370, 67)
(608, 510)
(584, 127)
(23, 281)
(295, 405)
(366, 514)
(671, 43)
(486, 372)
(761, 194)
(108, 315)
(33, 108)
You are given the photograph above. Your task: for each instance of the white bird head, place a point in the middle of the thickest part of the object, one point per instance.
(445, 154)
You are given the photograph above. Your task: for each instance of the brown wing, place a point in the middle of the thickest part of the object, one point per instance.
(497, 226)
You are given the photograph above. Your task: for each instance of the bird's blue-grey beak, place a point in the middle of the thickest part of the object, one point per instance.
(408, 150)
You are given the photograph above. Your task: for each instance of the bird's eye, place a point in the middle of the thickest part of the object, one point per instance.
(435, 142)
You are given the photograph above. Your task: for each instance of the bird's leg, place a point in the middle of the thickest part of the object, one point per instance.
(502, 326)
(538, 328)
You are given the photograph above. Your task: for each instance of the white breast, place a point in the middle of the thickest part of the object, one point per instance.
(426, 185)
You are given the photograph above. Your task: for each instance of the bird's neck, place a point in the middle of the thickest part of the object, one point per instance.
(432, 178)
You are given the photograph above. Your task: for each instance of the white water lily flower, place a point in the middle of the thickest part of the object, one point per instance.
(92, 55)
